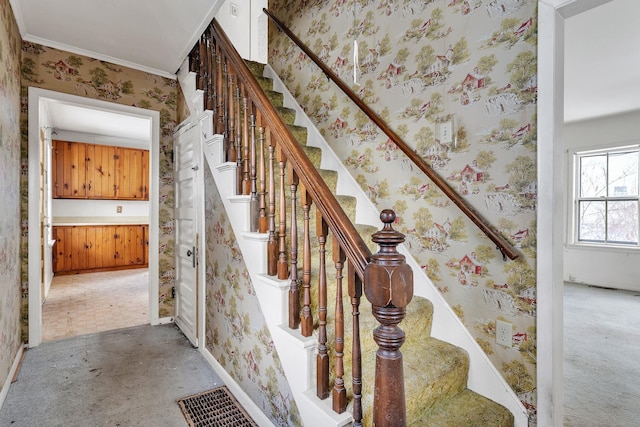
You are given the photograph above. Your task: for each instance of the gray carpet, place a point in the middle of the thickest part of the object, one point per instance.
(601, 357)
(127, 377)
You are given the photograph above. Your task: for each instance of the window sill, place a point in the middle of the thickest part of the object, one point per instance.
(603, 248)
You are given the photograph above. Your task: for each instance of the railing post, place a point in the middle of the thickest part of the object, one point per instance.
(388, 285)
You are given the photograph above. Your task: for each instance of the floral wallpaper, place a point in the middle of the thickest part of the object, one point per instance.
(456, 79)
(10, 339)
(236, 332)
(61, 71)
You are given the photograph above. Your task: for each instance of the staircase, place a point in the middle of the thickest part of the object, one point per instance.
(436, 372)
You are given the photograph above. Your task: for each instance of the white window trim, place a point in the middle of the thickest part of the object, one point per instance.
(572, 217)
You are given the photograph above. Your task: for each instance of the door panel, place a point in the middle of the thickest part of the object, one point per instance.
(186, 167)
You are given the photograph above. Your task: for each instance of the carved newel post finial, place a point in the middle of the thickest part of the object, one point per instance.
(388, 285)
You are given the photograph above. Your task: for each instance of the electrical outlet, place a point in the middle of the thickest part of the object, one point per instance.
(503, 333)
(118, 209)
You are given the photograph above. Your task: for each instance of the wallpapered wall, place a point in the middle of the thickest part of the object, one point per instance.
(9, 189)
(236, 332)
(61, 71)
(423, 63)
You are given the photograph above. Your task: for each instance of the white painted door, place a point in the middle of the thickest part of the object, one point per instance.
(47, 232)
(187, 163)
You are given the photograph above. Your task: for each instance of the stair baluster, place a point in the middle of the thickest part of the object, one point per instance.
(230, 140)
(238, 140)
(263, 223)
(307, 318)
(246, 161)
(272, 246)
(224, 125)
(355, 292)
(202, 54)
(253, 204)
(209, 92)
(222, 98)
(339, 393)
(283, 268)
(322, 358)
(294, 294)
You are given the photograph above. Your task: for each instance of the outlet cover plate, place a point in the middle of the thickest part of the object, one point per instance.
(503, 333)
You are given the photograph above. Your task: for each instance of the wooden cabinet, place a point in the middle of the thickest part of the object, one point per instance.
(91, 171)
(99, 247)
(132, 172)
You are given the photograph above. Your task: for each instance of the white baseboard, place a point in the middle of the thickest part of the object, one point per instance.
(249, 405)
(12, 373)
(165, 320)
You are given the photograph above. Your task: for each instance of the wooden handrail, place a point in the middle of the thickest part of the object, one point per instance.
(337, 220)
(501, 243)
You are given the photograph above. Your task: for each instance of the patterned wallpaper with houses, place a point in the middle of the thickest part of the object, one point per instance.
(456, 79)
(61, 71)
(10, 339)
(236, 332)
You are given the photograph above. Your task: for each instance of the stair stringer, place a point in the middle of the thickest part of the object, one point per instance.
(484, 378)
(296, 353)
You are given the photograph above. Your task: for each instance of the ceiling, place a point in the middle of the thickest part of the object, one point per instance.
(150, 35)
(78, 118)
(602, 58)
(602, 61)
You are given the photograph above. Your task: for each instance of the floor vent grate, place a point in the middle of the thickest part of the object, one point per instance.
(217, 407)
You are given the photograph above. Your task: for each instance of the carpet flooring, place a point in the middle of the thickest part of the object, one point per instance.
(601, 357)
(128, 377)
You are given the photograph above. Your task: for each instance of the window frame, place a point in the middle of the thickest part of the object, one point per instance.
(576, 198)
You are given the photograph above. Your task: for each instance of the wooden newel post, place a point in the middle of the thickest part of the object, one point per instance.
(388, 285)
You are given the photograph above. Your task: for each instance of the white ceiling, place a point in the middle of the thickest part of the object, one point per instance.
(77, 118)
(602, 61)
(602, 48)
(152, 35)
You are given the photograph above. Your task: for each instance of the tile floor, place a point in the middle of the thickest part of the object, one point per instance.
(81, 304)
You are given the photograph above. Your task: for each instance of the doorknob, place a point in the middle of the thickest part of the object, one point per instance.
(190, 253)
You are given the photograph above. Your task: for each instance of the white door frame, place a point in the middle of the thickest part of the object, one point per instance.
(35, 273)
(551, 193)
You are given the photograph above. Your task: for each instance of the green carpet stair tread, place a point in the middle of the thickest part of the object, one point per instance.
(314, 154)
(265, 83)
(366, 231)
(256, 68)
(348, 204)
(276, 98)
(288, 115)
(434, 369)
(467, 409)
(299, 133)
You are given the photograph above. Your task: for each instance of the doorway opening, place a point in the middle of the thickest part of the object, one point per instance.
(111, 124)
(551, 191)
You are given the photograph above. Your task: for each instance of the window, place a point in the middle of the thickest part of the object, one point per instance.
(606, 196)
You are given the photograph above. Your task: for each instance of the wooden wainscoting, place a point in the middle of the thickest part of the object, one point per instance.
(89, 248)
